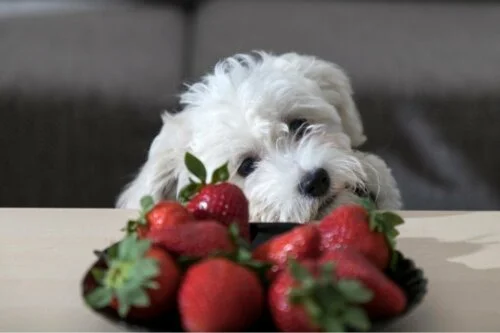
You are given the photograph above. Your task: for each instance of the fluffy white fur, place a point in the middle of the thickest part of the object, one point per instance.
(243, 109)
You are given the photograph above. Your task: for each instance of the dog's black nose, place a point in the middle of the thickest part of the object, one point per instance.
(315, 183)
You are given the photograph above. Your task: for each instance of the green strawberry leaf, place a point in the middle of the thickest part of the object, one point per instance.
(354, 292)
(97, 274)
(127, 249)
(312, 309)
(138, 297)
(141, 247)
(129, 274)
(151, 285)
(123, 309)
(99, 298)
(327, 271)
(392, 219)
(220, 174)
(131, 227)
(356, 318)
(298, 271)
(332, 324)
(368, 204)
(147, 203)
(331, 305)
(112, 252)
(235, 235)
(393, 261)
(196, 167)
(384, 222)
(188, 192)
(147, 268)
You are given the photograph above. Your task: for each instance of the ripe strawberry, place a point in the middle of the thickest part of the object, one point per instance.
(370, 232)
(140, 281)
(217, 200)
(157, 216)
(302, 242)
(167, 213)
(193, 239)
(388, 298)
(218, 295)
(307, 297)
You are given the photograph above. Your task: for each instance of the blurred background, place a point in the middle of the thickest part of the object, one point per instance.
(83, 84)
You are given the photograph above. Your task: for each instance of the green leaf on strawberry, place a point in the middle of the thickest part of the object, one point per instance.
(384, 222)
(188, 192)
(100, 297)
(147, 204)
(243, 253)
(221, 174)
(129, 274)
(332, 305)
(97, 273)
(196, 168)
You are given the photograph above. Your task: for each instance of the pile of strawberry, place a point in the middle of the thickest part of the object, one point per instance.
(193, 257)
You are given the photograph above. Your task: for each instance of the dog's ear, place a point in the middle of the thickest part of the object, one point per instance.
(336, 88)
(159, 174)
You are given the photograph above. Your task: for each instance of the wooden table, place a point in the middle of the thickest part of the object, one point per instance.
(44, 252)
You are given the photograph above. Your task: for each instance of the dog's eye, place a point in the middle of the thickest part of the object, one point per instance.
(247, 166)
(298, 126)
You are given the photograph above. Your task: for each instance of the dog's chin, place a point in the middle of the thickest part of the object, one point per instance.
(325, 208)
(344, 197)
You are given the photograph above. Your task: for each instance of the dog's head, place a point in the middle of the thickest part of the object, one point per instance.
(286, 124)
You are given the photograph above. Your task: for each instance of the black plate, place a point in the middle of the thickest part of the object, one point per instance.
(407, 275)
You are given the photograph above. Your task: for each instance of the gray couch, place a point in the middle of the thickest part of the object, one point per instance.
(82, 85)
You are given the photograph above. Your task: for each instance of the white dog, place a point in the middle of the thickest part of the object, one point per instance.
(287, 125)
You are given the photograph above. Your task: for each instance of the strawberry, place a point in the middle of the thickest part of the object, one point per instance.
(307, 297)
(167, 213)
(193, 239)
(300, 243)
(140, 281)
(217, 200)
(370, 232)
(218, 295)
(157, 216)
(388, 298)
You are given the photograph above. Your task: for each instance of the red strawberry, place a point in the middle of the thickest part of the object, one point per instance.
(388, 298)
(217, 200)
(158, 216)
(307, 297)
(287, 316)
(370, 232)
(140, 282)
(224, 202)
(218, 295)
(300, 243)
(193, 239)
(167, 213)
